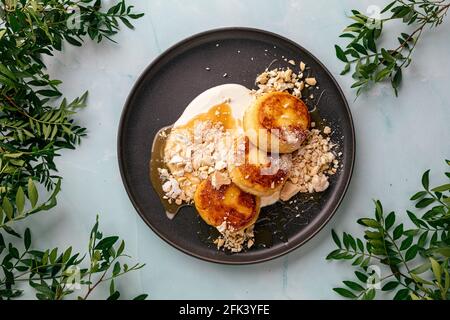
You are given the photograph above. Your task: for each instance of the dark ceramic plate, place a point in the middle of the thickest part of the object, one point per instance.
(160, 96)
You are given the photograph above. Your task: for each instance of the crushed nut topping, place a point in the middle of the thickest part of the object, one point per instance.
(311, 166)
(282, 80)
(235, 241)
(192, 157)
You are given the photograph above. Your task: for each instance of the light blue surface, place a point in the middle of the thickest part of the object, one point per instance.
(397, 139)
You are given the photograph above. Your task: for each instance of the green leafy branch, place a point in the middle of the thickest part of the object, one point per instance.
(33, 128)
(10, 213)
(416, 259)
(372, 64)
(56, 274)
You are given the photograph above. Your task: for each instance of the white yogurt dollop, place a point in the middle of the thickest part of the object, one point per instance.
(237, 96)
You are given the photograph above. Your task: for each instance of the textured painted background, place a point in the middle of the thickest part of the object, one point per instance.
(397, 139)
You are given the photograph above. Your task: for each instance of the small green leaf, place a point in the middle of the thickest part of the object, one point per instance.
(371, 41)
(426, 180)
(14, 155)
(373, 235)
(336, 239)
(136, 15)
(20, 200)
(389, 221)
(114, 296)
(72, 41)
(345, 293)
(406, 243)
(116, 268)
(418, 195)
(391, 285)
(360, 245)
(112, 287)
(7, 208)
(422, 239)
(402, 294)
(106, 243)
(141, 297)
(361, 276)
(383, 74)
(27, 239)
(422, 268)
(67, 254)
(333, 254)
(53, 255)
(415, 220)
(369, 223)
(359, 83)
(340, 54)
(32, 193)
(389, 6)
(353, 285)
(420, 280)
(49, 93)
(121, 248)
(358, 261)
(378, 210)
(126, 22)
(370, 294)
(387, 56)
(424, 203)
(397, 79)
(398, 232)
(443, 188)
(359, 48)
(11, 231)
(411, 253)
(346, 69)
(437, 270)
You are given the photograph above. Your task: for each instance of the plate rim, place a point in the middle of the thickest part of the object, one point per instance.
(125, 110)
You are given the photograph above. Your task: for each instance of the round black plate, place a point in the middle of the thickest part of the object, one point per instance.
(179, 75)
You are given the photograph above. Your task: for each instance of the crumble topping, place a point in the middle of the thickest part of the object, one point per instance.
(312, 164)
(192, 157)
(284, 80)
(235, 241)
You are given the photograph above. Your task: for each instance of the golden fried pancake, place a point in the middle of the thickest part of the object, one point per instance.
(256, 172)
(227, 204)
(277, 120)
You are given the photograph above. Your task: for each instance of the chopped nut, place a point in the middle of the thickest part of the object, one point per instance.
(313, 159)
(327, 130)
(302, 66)
(219, 179)
(311, 81)
(320, 183)
(235, 240)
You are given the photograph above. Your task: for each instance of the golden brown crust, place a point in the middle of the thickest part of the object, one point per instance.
(284, 118)
(257, 178)
(281, 110)
(228, 203)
